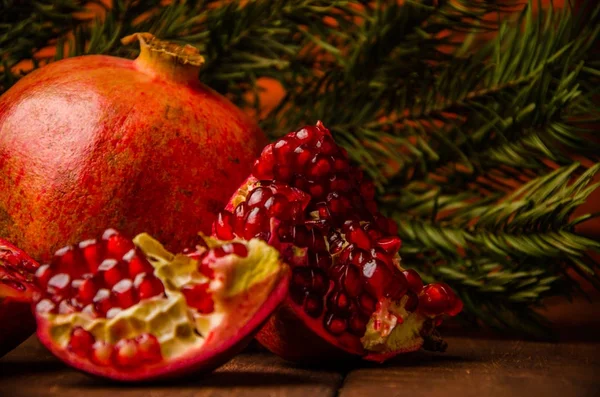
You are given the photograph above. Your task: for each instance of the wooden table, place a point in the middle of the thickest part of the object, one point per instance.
(470, 367)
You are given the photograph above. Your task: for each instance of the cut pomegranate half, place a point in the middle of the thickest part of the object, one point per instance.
(131, 311)
(348, 292)
(16, 294)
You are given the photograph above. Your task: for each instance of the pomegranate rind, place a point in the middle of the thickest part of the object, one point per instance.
(294, 332)
(245, 312)
(15, 312)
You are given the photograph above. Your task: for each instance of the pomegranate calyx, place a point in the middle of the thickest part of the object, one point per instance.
(166, 59)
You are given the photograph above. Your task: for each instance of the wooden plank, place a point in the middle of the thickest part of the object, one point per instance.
(471, 367)
(490, 368)
(31, 371)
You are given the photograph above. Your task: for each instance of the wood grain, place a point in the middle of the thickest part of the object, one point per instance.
(31, 371)
(487, 368)
(471, 367)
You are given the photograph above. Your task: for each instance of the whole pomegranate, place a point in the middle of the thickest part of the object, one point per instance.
(132, 311)
(141, 145)
(17, 291)
(348, 293)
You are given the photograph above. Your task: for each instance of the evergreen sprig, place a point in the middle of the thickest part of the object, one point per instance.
(475, 129)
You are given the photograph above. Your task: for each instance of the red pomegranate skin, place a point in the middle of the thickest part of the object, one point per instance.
(96, 140)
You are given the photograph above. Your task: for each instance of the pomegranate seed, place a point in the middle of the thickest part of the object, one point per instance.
(258, 196)
(301, 183)
(86, 291)
(320, 167)
(302, 277)
(81, 342)
(367, 190)
(340, 303)
(65, 261)
(45, 306)
(111, 272)
(358, 257)
(223, 228)
(136, 264)
(124, 294)
(336, 204)
(322, 260)
(340, 184)
(126, 353)
(60, 285)
(326, 145)
(256, 220)
(91, 252)
(304, 135)
(263, 167)
(148, 286)
(317, 190)
(313, 305)
(390, 245)
(436, 299)
(415, 283)
(367, 303)
(278, 206)
(356, 235)
(335, 325)
(102, 301)
(116, 244)
(352, 281)
(341, 165)
(198, 297)
(42, 276)
(102, 353)
(373, 232)
(239, 218)
(149, 348)
(456, 307)
(358, 324)
(301, 236)
(302, 156)
(283, 174)
(380, 255)
(282, 149)
(320, 282)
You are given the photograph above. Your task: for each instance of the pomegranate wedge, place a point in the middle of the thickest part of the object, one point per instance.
(348, 292)
(132, 311)
(16, 294)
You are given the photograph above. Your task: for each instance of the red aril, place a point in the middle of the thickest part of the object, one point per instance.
(95, 140)
(348, 292)
(17, 292)
(166, 316)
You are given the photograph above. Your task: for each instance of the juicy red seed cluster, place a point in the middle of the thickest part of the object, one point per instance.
(15, 270)
(99, 277)
(310, 196)
(126, 353)
(439, 298)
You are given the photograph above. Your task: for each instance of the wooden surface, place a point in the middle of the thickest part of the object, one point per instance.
(470, 367)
